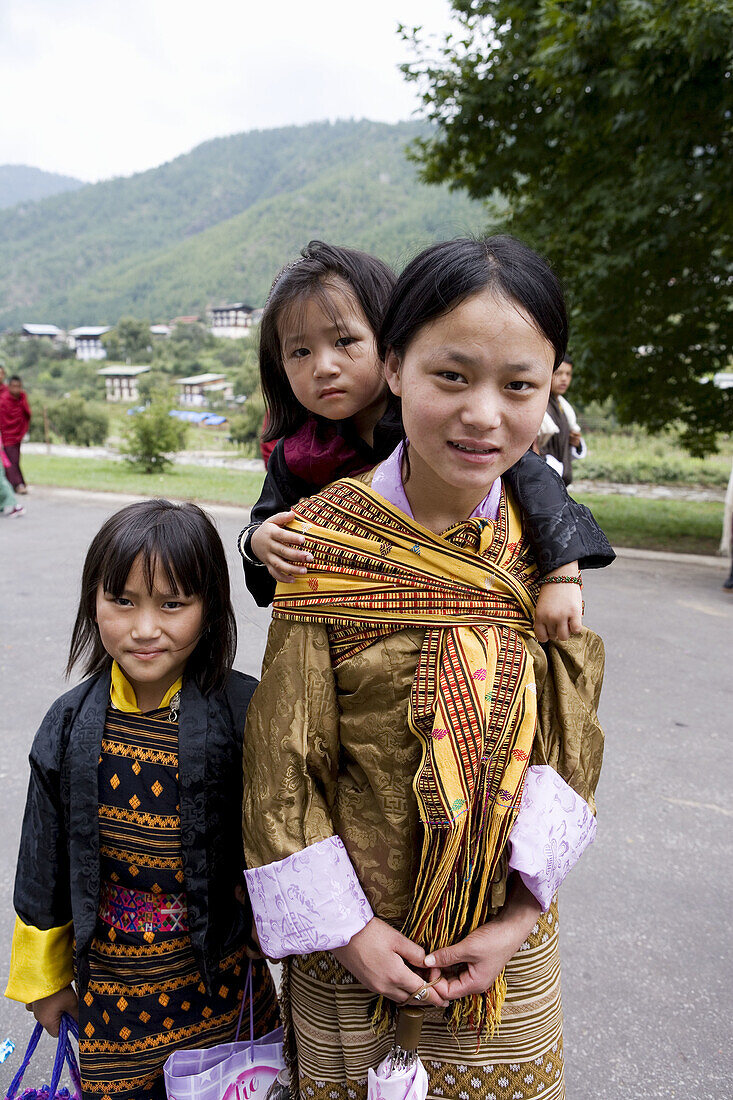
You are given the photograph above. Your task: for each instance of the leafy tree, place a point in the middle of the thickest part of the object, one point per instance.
(246, 427)
(151, 436)
(246, 376)
(156, 387)
(194, 337)
(129, 341)
(606, 125)
(77, 422)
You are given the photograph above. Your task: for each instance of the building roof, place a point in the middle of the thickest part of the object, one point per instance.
(89, 332)
(201, 379)
(122, 371)
(232, 305)
(160, 330)
(42, 330)
(191, 320)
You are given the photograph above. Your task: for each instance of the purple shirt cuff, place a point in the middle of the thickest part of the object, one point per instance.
(310, 901)
(553, 828)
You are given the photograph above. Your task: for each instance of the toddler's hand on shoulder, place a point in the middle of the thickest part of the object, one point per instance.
(280, 549)
(559, 611)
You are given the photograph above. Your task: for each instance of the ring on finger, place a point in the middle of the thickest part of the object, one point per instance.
(422, 992)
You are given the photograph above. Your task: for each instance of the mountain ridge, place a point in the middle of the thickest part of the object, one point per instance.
(218, 222)
(22, 183)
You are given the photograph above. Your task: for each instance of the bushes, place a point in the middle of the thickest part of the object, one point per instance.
(245, 428)
(151, 437)
(73, 420)
(635, 456)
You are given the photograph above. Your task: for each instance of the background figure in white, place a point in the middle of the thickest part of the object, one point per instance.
(726, 542)
(559, 438)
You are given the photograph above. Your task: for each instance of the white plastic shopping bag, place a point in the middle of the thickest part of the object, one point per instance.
(230, 1071)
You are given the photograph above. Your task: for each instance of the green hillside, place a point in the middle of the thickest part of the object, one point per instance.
(218, 222)
(21, 183)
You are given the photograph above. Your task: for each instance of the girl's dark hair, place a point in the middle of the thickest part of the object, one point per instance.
(181, 540)
(370, 281)
(445, 274)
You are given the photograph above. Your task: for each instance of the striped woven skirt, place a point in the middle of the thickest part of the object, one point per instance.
(330, 1012)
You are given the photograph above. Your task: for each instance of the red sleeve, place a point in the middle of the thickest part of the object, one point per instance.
(26, 408)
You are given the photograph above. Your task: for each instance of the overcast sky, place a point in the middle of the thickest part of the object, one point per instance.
(97, 88)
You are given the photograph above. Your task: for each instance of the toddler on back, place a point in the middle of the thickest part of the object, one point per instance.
(333, 415)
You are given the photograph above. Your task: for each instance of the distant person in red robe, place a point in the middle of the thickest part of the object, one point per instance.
(15, 418)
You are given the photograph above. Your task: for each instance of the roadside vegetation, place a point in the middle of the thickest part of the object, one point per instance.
(67, 398)
(677, 525)
(204, 484)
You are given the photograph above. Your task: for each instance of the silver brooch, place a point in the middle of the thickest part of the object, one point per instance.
(173, 707)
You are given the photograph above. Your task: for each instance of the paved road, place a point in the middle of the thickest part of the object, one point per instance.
(645, 916)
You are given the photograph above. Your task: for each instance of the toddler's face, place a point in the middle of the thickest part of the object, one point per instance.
(151, 635)
(330, 356)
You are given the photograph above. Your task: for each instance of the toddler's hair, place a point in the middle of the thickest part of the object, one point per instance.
(368, 279)
(180, 540)
(445, 274)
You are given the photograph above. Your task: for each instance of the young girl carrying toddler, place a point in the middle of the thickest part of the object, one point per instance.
(131, 859)
(419, 771)
(334, 416)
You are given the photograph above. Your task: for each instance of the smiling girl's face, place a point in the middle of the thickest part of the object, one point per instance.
(151, 634)
(474, 385)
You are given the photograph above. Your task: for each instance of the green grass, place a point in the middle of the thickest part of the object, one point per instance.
(200, 483)
(682, 526)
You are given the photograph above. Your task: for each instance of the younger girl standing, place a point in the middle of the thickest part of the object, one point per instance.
(334, 416)
(129, 857)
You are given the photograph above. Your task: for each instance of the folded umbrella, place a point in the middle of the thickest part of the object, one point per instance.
(401, 1076)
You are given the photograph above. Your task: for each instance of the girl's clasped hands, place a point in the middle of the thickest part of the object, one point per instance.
(387, 962)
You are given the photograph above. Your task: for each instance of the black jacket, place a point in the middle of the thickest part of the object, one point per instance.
(560, 529)
(57, 878)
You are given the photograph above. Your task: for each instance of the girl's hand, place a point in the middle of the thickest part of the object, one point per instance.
(477, 960)
(559, 611)
(276, 547)
(378, 957)
(49, 1010)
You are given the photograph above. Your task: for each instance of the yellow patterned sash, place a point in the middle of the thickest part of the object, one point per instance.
(473, 700)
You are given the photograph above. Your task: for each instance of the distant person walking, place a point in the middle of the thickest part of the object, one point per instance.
(15, 418)
(559, 438)
(8, 501)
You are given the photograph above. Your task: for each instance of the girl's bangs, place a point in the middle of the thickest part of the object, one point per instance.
(290, 317)
(159, 549)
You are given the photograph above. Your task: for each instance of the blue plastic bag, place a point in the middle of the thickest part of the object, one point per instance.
(64, 1053)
